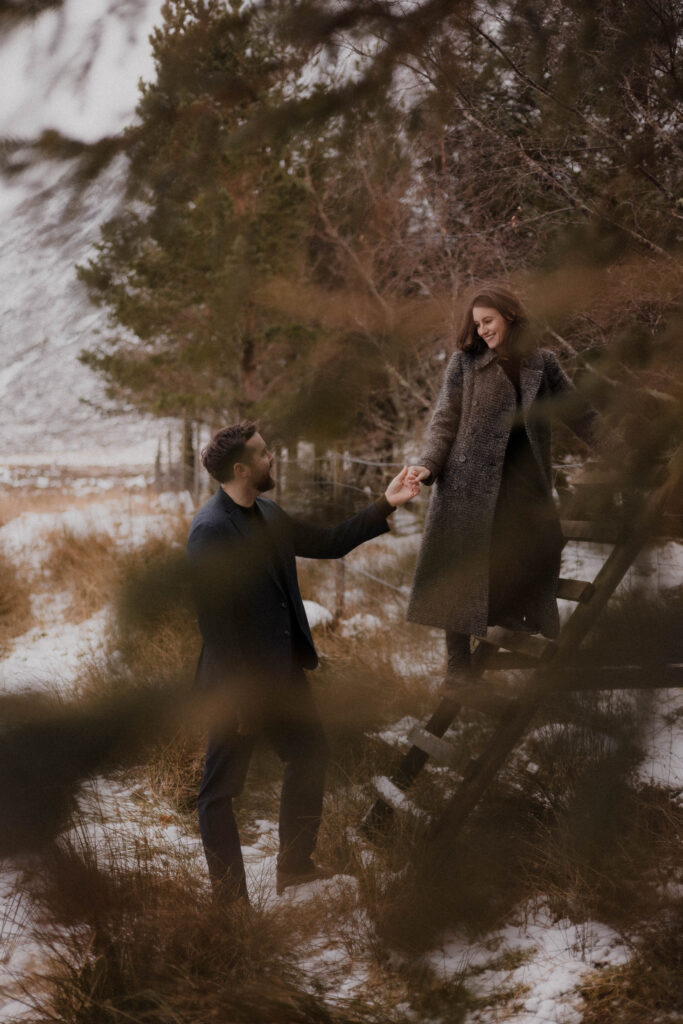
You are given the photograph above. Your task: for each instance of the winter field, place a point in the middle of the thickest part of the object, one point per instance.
(527, 918)
(562, 900)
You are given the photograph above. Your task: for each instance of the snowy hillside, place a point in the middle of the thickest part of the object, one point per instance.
(75, 70)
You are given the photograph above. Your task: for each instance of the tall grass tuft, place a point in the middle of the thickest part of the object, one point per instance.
(137, 942)
(648, 988)
(88, 567)
(15, 602)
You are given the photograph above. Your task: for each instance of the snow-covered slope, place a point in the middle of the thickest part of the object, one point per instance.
(75, 70)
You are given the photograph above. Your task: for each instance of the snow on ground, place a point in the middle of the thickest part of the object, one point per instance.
(75, 69)
(541, 960)
(50, 657)
(128, 522)
(316, 614)
(361, 623)
(663, 762)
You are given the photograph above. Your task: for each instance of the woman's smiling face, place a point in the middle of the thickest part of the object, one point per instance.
(491, 325)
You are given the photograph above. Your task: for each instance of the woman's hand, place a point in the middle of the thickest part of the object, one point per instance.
(401, 490)
(416, 474)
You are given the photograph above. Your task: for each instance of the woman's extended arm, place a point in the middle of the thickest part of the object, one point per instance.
(443, 425)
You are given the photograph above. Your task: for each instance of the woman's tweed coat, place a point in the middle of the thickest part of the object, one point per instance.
(464, 451)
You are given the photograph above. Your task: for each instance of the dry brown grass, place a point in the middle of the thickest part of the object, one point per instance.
(542, 837)
(59, 498)
(155, 642)
(89, 567)
(15, 603)
(649, 987)
(146, 943)
(95, 570)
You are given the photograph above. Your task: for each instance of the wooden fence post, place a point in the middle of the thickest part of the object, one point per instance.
(196, 466)
(340, 564)
(169, 461)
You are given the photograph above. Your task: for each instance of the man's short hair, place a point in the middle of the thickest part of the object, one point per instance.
(225, 449)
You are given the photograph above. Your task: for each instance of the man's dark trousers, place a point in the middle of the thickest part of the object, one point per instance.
(294, 731)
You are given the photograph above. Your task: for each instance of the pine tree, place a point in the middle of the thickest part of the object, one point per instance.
(180, 269)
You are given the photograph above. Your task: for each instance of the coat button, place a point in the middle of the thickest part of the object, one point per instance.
(287, 633)
(462, 458)
(283, 605)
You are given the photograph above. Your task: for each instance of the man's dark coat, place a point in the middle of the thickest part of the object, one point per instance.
(250, 611)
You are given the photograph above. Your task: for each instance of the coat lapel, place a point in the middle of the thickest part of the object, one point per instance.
(484, 358)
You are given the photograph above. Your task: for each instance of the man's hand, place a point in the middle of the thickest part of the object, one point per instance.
(401, 490)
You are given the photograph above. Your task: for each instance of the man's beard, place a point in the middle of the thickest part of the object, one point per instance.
(266, 483)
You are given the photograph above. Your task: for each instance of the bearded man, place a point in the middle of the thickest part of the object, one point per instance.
(256, 645)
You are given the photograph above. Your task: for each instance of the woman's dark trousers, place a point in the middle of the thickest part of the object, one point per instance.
(459, 668)
(294, 731)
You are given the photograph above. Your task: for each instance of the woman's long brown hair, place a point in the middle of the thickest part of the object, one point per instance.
(497, 297)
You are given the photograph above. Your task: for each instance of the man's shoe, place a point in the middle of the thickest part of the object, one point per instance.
(311, 873)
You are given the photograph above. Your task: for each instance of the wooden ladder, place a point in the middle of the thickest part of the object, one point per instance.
(552, 665)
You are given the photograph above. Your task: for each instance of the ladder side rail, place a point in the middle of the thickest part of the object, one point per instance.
(486, 767)
(619, 562)
(447, 710)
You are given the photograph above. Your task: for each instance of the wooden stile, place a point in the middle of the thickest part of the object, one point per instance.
(551, 666)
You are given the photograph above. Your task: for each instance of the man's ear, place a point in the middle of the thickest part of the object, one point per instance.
(240, 470)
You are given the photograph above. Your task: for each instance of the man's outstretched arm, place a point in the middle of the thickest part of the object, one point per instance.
(337, 541)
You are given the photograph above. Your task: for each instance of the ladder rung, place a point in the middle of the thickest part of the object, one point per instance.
(532, 646)
(591, 530)
(619, 677)
(441, 750)
(390, 794)
(575, 590)
(592, 477)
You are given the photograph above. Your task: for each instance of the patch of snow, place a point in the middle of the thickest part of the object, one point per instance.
(51, 657)
(76, 69)
(395, 735)
(317, 615)
(23, 536)
(361, 623)
(663, 762)
(549, 959)
(395, 797)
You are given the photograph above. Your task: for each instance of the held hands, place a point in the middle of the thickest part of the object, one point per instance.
(402, 489)
(416, 474)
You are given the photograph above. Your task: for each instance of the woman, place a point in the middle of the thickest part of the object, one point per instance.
(492, 541)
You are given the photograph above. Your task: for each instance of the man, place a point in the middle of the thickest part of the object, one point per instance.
(256, 645)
